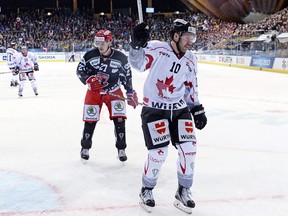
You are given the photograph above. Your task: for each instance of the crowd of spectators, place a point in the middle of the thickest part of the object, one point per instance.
(65, 30)
(275, 24)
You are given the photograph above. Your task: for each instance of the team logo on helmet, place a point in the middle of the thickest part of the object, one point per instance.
(191, 30)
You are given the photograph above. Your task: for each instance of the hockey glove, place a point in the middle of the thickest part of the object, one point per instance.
(94, 85)
(140, 35)
(199, 116)
(36, 67)
(132, 98)
(15, 70)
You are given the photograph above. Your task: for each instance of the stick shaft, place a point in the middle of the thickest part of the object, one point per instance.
(116, 95)
(5, 72)
(140, 14)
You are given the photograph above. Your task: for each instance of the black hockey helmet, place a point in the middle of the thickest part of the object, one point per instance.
(181, 26)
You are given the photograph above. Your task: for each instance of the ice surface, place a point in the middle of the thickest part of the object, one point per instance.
(241, 165)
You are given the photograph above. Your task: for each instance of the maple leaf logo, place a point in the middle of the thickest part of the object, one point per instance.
(165, 86)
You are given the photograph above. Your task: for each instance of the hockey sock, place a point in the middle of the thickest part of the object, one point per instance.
(120, 133)
(185, 163)
(88, 131)
(153, 164)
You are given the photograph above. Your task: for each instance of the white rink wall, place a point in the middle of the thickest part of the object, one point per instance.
(264, 63)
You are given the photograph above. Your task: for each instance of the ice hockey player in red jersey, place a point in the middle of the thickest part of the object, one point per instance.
(104, 70)
(170, 97)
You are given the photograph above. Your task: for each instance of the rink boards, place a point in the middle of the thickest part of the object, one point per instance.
(265, 63)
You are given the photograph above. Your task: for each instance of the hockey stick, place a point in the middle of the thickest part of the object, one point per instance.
(115, 95)
(5, 72)
(140, 14)
(119, 96)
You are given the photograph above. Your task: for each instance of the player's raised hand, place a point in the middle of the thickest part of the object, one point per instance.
(140, 36)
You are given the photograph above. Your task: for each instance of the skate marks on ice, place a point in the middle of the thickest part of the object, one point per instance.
(157, 209)
(85, 161)
(176, 203)
(27, 195)
(268, 113)
(122, 193)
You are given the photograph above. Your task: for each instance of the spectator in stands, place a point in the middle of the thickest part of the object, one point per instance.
(120, 48)
(58, 31)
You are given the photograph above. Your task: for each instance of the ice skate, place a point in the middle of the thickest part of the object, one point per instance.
(122, 155)
(184, 200)
(147, 201)
(84, 154)
(35, 92)
(13, 84)
(20, 90)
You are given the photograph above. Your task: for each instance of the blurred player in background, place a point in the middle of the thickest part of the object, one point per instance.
(104, 70)
(71, 56)
(26, 64)
(11, 54)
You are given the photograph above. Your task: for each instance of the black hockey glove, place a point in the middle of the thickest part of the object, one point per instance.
(140, 36)
(36, 67)
(199, 116)
(15, 70)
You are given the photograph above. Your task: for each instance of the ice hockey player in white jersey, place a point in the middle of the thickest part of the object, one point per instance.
(11, 54)
(26, 64)
(170, 97)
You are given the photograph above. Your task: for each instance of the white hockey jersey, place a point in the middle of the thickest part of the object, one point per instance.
(11, 57)
(26, 63)
(172, 82)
